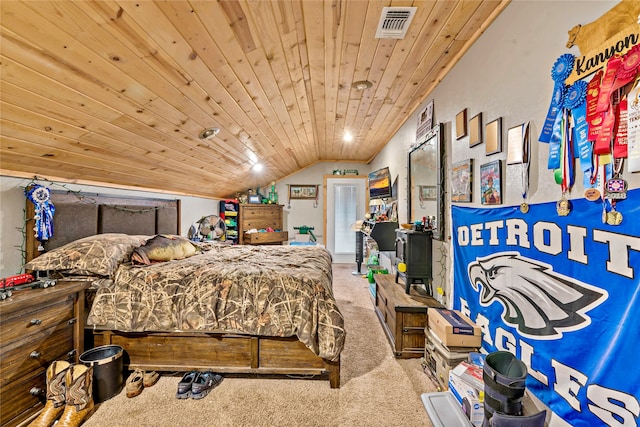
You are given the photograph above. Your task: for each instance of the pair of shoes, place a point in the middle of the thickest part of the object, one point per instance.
(140, 379)
(197, 384)
(204, 383)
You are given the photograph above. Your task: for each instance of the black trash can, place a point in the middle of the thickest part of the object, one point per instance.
(107, 365)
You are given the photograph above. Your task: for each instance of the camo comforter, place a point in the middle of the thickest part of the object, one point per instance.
(258, 290)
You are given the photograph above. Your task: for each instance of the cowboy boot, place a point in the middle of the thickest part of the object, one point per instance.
(79, 396)
(56, 373)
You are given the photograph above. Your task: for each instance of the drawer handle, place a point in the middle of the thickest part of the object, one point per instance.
(35, 321)
(35, 354)
(72, 321)
(36, 391)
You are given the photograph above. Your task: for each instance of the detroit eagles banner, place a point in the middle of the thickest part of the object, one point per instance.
(563, 295)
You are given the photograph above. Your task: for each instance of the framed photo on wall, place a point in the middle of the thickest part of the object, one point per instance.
(493, 137)
(425, 122)
(475, 130)
(518, 144)
(461, 124)
(303, 191)
(427, 192)
(491, 183)
(462, 181)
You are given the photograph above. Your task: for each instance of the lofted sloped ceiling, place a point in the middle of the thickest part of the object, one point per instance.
(117, 92)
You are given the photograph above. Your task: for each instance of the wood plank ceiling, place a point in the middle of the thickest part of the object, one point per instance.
(117, 92)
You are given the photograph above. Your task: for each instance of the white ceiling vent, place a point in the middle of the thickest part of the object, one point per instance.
(394, 22)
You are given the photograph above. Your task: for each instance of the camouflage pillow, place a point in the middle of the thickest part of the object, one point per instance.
(94, 255)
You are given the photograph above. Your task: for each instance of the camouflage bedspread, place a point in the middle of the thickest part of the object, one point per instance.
(258, 290)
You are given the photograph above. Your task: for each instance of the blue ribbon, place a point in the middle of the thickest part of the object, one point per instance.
(575, 101)
(561, 69)
(44, 210)
(554, 144)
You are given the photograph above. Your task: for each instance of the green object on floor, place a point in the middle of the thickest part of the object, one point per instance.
(305, 229)
(375, 270)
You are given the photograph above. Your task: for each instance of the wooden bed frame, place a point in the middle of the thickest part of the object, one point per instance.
(176, 351)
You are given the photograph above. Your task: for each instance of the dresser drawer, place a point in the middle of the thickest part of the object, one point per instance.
(36, 352)
(270, 237)
(34, 320)
(17, 403)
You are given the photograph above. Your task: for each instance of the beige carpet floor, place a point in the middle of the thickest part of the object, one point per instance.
(376, 389)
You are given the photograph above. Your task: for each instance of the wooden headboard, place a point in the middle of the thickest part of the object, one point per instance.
(80, 215)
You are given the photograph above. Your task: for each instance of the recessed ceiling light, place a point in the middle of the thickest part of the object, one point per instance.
(362, 85)
(347, 137)
(209, 133)
(257, 167)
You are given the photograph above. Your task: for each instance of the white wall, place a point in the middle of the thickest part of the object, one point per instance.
(506, 73)
(299, 212)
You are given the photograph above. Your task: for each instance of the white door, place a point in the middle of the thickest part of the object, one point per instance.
(345, 204)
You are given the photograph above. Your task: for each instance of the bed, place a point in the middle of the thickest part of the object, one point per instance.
(266, 310)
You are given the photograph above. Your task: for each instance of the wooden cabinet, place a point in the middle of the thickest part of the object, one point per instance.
(403, 317)
(37, 326)
(261, 217)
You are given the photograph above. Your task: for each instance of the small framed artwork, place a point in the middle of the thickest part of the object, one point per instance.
(254, 198)
(303, 191)
(425, 121)
(517, 144)
(475, 130)
(493, 134)
(427, 192)
(462, 181)
(461, 124)
(491, 183)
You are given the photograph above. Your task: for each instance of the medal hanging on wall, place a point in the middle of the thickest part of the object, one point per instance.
(564, 176)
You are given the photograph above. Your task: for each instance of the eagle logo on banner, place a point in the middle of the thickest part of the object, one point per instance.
(538, 301)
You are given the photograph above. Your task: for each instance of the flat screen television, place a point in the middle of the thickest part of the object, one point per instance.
(380, 184)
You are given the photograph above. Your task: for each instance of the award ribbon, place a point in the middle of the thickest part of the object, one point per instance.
(621, 141)
(593, 117)
(628, 69)
(561, 69)
(41, 198)
(606, 87)
(575, 102)
(555, 143)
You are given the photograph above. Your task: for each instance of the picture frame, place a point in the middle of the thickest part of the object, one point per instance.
(493, 137)
(425, 121)
(427, 192)
(491, 183)
(461, 124)
(475, 130)
(303, 191)
(517, 143)
(253, 198)
(462, 181)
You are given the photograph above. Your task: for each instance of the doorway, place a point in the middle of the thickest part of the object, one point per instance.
(344, 205)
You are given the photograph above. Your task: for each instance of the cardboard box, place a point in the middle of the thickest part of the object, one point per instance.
(453, 328)
(440, 359)
(468, 391)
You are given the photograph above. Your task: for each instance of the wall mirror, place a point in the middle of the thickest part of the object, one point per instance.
(426, 180)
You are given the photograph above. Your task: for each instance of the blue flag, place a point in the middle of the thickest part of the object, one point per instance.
(563, 295)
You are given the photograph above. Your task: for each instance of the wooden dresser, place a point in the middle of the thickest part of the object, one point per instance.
(37, 326)
(403, 317)
(261, 217)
